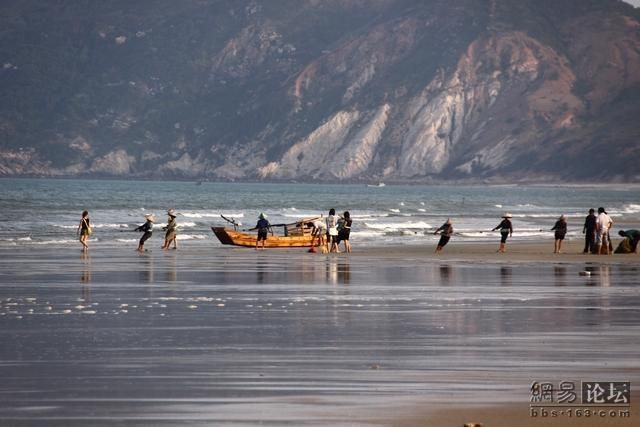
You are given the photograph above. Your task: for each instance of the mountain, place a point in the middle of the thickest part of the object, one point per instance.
(322, 90)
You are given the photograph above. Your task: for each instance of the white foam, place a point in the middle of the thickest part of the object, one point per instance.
(127, 240)
(211, 215)
(95, 226)
(191, 236)
(631, 208)
(24, 239)
(395, 210)
(398, 225)
(365, 234)
(55, 242)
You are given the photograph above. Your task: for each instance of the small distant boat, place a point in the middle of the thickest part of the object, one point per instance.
(295, 235)
(380, 184)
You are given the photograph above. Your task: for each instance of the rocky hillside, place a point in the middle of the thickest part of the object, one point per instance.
(321, 90)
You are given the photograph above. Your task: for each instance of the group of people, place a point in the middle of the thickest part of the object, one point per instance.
(597, 239)
(596, 230)
(326, 233)
(171, 230)
(329, 232)
(333, 231)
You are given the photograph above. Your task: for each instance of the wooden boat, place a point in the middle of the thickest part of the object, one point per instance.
(296, 235)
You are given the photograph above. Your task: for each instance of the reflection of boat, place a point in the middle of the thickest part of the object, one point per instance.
(296, 235)
(380, 184)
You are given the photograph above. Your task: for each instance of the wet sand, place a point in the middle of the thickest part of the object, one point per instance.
(212, 335)
(518, 251)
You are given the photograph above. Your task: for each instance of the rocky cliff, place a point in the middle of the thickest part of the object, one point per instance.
(332, 90)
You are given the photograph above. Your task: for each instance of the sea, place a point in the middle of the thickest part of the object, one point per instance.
(47, 211)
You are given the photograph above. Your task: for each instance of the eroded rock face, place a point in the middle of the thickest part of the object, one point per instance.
(335, 90)
(117, 162)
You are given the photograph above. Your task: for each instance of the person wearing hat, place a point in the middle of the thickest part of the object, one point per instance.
(446, 233)
(147, 228)
(171, 231)
(264, 227)
(589, 231)
(560, 228)
(506, 230)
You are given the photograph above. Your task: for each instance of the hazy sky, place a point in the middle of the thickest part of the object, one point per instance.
(636, 3)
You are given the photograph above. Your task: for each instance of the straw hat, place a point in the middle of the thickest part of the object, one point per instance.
(507, 215)
(262, 216)
(171, 212)
(563, 217)
(448, 221)
(150, 217)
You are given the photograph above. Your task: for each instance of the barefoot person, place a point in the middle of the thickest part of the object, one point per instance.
(318, 233)
(560, 228)
(171, 230)
(506, 230)
(344, 230)
(603, 224)
(84, 230)
(264, 227)
(589, 231)
(446, 231)
(147, 228)
(332, 231)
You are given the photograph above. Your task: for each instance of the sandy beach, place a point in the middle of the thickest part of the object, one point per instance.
(212, 335)
(540, 251)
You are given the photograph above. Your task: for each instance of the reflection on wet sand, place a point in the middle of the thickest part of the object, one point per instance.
(171, 267)
(560, 275)
(85, 276)
(445, 274)
(146, 272)
(300, 331)
(600, 275)
(506, 273)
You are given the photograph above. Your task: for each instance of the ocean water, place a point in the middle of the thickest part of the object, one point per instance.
(47, 211)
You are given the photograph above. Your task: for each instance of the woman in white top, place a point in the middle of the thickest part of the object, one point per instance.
(332, 231)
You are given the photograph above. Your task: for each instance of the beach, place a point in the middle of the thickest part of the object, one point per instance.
(387, 335)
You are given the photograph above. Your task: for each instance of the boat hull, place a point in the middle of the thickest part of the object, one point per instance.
(238, 238)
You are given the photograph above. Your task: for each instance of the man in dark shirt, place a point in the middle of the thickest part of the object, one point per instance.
(589, 231)
(263, 226)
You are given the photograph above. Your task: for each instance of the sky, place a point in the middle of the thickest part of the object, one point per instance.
(636, 3)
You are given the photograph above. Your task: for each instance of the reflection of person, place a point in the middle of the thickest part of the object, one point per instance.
(332, 231)
(84, 230)
(506, 230)
(147, 228)
(589, 231)
(632, 237)
(446, 230)
(264, 227)
(85, 276)
(171, 228)
(344, 230)
(603, 224)
(560, 228)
